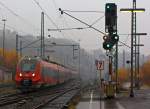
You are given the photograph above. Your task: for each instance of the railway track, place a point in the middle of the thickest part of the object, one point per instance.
(58, 100)
(34, 100)
(9, 99)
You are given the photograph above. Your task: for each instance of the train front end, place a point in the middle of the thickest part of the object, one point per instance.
(28, 74)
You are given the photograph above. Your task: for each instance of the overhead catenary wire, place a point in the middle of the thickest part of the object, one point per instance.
(18, 16)
(13, 28)
(124, 44)
(97, 20)
(124, 34)
(84, 11)
(38, 4)
(67, 25)
(64, 20)
(55, 4)
(50, 19)
(1, 13)
(24, 38)
(61, 29)
(80, 11)
(63, 12)
(31, 43)
(127, 39)
(12, 12)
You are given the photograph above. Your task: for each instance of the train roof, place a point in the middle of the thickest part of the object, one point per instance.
(31, 58)
(36, 58)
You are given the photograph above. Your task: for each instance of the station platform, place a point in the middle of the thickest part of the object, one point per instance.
(91, 100)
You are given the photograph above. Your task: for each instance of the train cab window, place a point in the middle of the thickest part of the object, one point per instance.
(28, 65)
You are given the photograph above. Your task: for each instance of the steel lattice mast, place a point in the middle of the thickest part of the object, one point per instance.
(134, 44)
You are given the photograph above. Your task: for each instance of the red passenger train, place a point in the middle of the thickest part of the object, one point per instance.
(33, 72)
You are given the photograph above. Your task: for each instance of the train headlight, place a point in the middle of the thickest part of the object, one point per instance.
(20, 74)
(33, 74)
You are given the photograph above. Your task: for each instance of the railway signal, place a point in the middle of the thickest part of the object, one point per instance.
(111, 30)
(107, 44)
(115, 38)
(110, 26)
(110, 17)
(110, 41)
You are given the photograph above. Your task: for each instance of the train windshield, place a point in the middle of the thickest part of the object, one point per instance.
(28, 65)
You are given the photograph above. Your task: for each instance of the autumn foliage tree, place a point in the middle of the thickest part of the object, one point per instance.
(123, 76)
(10, 58)
(145, 73)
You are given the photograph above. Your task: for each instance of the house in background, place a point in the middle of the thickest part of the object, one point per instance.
(5, 75)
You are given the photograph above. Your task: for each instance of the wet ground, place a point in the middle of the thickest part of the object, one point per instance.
(91, 100)
(6, 89)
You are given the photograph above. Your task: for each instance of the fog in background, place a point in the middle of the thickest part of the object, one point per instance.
(27, 20)
(65, 55)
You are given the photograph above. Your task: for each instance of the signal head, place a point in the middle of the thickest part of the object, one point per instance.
(107, 6)
(110, 7)
(115, 38)
(107, 45)
(105, 37)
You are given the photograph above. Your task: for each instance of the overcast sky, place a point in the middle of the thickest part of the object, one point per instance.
(27, 20)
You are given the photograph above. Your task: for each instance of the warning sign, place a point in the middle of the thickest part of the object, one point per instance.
(99, 64)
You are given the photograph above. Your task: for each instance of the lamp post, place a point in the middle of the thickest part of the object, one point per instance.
(132, 10)
(79, 63)
(138, 45)
(4, 20)
(20, 48)
(128, 62)
(75, 57)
